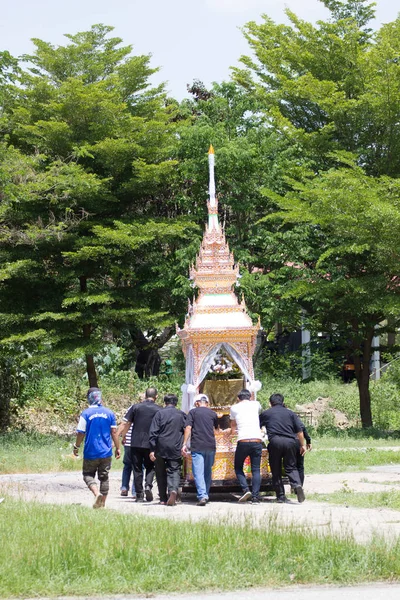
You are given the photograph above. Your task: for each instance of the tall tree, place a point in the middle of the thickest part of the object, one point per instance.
(329, 88)
(88, 186)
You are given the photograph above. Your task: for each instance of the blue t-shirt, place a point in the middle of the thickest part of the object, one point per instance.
(96, 423)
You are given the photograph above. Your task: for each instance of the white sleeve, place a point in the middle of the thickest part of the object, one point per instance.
(259, 407)
(232, 414)
(81, 425)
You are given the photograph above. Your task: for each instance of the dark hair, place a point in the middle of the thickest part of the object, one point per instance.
(151, 393)
(171, 399)
(276, 399)
(244, 395)
(92, 389)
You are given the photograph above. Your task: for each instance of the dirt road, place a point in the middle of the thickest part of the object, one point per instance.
(68, 488)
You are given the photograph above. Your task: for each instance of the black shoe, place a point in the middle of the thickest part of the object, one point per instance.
(124, 492)
(246, 496)
(139, 498)
(202, 502)
(283, 500)
(255, 501)
(149, 495)
(299, 493)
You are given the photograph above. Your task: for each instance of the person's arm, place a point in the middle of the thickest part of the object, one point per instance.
(303, 447)
(79, 439)
(115, 439)
(153, 435)
(307, 438)
(123, 428)
(188, 433)
(233, 427)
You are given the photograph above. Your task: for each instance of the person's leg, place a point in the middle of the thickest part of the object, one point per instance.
(255, 458)
(209, 457)
(129, 457)
(275, 462)
(173, 479)
(149, 466)
(161, 476)
(89, 468)
(198, 474)
(137, 464)
(290, 464)
(241, 453)
(126, 471)
(103, 472)
(300, 466)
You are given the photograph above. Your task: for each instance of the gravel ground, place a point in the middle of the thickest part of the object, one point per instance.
(69, 488)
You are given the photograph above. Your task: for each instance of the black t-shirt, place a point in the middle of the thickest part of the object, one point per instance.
(141, 415)
(203, 421)
(166, 433)
(280, 421)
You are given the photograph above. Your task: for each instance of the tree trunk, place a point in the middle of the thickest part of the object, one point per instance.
(87, 330)
(362, 376)
(148, 359)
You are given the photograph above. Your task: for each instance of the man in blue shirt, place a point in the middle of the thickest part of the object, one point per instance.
(97, 424)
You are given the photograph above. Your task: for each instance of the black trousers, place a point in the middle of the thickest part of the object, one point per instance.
(283, 449)
(168, 474)
(253, 450)
(141, 458)
(300, 465)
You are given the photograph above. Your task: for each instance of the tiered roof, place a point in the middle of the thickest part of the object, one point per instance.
(214, 274)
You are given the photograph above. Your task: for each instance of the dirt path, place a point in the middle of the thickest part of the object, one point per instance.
(68, 488)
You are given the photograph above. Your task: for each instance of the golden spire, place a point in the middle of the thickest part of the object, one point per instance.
(211, 149)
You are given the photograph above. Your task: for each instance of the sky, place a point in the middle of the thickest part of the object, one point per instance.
(188, 39)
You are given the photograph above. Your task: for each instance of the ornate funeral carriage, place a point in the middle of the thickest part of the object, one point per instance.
(218, 338)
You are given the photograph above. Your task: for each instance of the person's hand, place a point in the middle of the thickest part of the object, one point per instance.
(117, 453)
(76, 450)
(152, 456)
(184, 450)
(303, 450)
(309, 447)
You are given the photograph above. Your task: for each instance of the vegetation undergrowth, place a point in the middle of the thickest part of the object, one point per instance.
(384, 499)
(86, 552)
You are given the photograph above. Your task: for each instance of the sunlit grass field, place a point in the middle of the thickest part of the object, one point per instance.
(36, 453)
(66, 550)
(385, 499)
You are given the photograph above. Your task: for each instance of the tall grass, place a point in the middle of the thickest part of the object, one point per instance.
(53, 550)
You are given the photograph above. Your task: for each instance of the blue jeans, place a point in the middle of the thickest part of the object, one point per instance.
(202, 463)
(127, 471)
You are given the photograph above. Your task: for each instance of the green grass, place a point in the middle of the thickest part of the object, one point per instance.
(35, 453)
(337, 461)
(387, 499)
(85, 552)
(342, 441)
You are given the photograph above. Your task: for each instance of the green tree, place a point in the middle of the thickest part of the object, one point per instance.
(333, 89)
(88, 184)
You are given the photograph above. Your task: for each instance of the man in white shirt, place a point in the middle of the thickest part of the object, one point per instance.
(245, 418)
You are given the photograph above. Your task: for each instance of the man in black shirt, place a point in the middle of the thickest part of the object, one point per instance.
(284, 430)
(165, 439)
(201, 423)
(141, 415)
